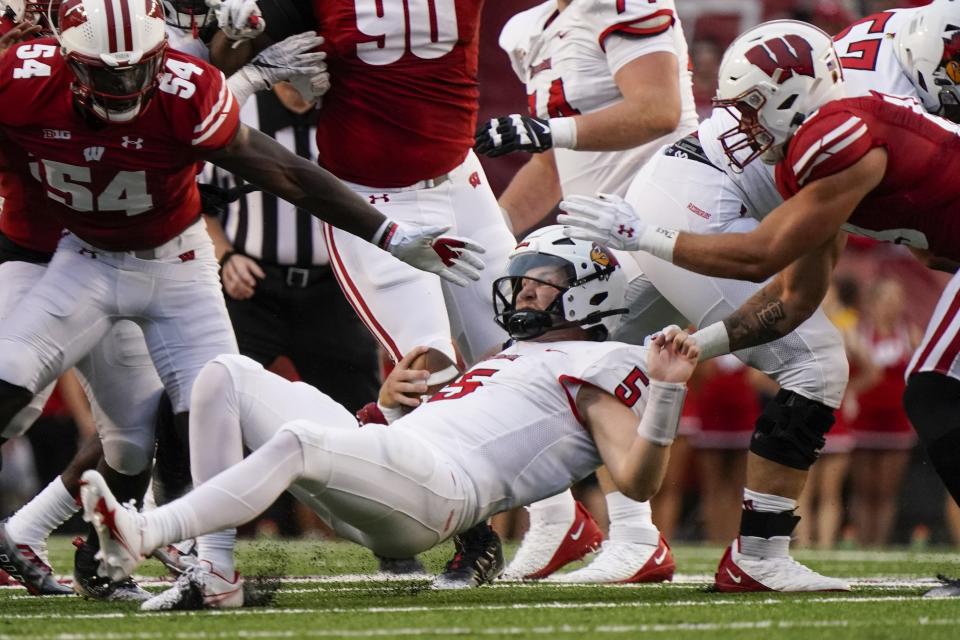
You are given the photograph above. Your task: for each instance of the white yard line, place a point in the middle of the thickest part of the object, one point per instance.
(704, 627)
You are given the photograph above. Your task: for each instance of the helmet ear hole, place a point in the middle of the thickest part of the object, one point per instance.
(786, 104)
(597, 299)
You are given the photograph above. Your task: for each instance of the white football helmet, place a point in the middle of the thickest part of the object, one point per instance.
(771, 78)
(929, 52)
(116, 50)
(16, 11)
(589, 281)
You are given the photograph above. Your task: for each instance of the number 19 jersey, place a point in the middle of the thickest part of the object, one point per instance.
(119, 187)
(511, 421)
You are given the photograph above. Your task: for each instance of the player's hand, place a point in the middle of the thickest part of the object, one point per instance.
(239, 275)
(428, 248)
(238, 19)
(312, 88)
(607, 219)
(515, 132)
(293, 57)
(404, 386)
(18, 33)
(672, 355)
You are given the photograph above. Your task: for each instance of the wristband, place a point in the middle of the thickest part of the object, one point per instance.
(661, 416)
(713, 340)
(384, 234)
(390, 414)
(564, 132)
(242, 85)
(226, 258)
(659, 242)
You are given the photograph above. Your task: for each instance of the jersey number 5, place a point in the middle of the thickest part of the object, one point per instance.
(430, 26)
(628, 392)
(464, 385)
(862, 54)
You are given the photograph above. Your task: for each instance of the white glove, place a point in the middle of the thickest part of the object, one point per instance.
(238, 19)
(312, 87)
(290, 58)
(611, 221)
(427, 248)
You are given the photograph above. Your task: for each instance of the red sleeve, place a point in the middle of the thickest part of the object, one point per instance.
(219, 114)
(824, 145)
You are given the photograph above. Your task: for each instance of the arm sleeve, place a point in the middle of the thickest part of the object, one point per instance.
(823, 146)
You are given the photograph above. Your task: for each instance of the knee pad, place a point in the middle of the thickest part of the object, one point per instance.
(791, 430)
(127, 456)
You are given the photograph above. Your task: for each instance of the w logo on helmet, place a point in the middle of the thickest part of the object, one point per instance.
(780, 58)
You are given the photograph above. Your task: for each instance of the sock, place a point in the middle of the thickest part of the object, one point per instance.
(217, 549)
(560, 508)
(37, 519)
(766, 524)
(630, 521)
(229, 499)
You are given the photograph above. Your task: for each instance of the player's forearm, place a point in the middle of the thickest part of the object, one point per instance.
(769, 314)
(737, 256)
(532, 194)
(627, 124)
(642, 471)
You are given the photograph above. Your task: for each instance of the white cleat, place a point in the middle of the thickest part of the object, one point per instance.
(118, 527)
(199, 587)
(738, 573)
(547, 547)
(622, 562)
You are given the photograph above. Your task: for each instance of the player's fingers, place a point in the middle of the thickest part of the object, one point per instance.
(575, 220)
(451, 276)
(466, 270)
(257, 271)
(410, 356)
(670, 331)
(583, 234)
(411, 388)
(466, 245)
(581, 206)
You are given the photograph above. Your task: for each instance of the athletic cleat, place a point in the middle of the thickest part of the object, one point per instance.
(28, 565)
(400, 566)
(117, 526)
(478, 559)
(177, 558)
(199, 587)
(739, 573)
(949, 589)
(88, 584)
(548, 547)
(625, 562)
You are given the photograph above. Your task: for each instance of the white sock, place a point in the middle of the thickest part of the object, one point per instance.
(217, 549)
(773, 547)
(630, 521)
(228, 499)
(560, 508)
(767, 502)
(37, 519)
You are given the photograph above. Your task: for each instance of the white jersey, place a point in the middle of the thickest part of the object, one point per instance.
(869, 62)
(183, 41)
(511, 422)
(568, 60)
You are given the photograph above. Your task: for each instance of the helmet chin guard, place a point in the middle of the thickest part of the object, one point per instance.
(588, 281)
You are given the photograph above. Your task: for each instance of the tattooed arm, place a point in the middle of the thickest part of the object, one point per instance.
(786, 301)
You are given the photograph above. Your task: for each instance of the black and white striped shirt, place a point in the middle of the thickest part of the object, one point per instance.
(259, 224)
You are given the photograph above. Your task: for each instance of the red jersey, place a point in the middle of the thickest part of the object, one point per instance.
(403, 103)
(124, 186)
(881, 406)
(918, 201)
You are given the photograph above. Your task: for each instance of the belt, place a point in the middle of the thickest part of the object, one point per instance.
(429, 183)
(689, 148)
(296, 277)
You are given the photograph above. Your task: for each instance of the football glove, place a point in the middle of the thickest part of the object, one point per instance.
(611, 221)
(427, 248)
(238, 19)
(515, 132)
(290, 58)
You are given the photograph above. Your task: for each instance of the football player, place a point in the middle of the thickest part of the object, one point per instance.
(523, 424)
(608, 84)
(784, 87)
(116, 128)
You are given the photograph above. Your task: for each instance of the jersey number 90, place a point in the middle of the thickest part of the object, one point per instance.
(430, 27)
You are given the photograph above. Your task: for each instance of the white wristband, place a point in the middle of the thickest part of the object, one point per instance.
(661, 416)
(564, 132)
(659, 242)
(713, 340)
(246, 82)
(391, 414)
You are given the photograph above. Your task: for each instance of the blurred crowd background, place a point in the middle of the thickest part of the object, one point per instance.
(872, 487)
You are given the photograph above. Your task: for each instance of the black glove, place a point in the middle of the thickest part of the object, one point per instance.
(214, 199)
(511, 133)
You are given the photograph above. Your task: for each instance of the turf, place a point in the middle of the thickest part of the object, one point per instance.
(331, 593)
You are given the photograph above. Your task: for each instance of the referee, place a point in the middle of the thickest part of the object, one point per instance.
(282, 297)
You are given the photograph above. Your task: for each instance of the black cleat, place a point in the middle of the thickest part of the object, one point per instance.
(949, 589)
(28, 567)
(400, 566)
(478, 560)
(87, 583)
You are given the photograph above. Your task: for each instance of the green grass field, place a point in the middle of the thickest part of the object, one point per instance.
(332, 592)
